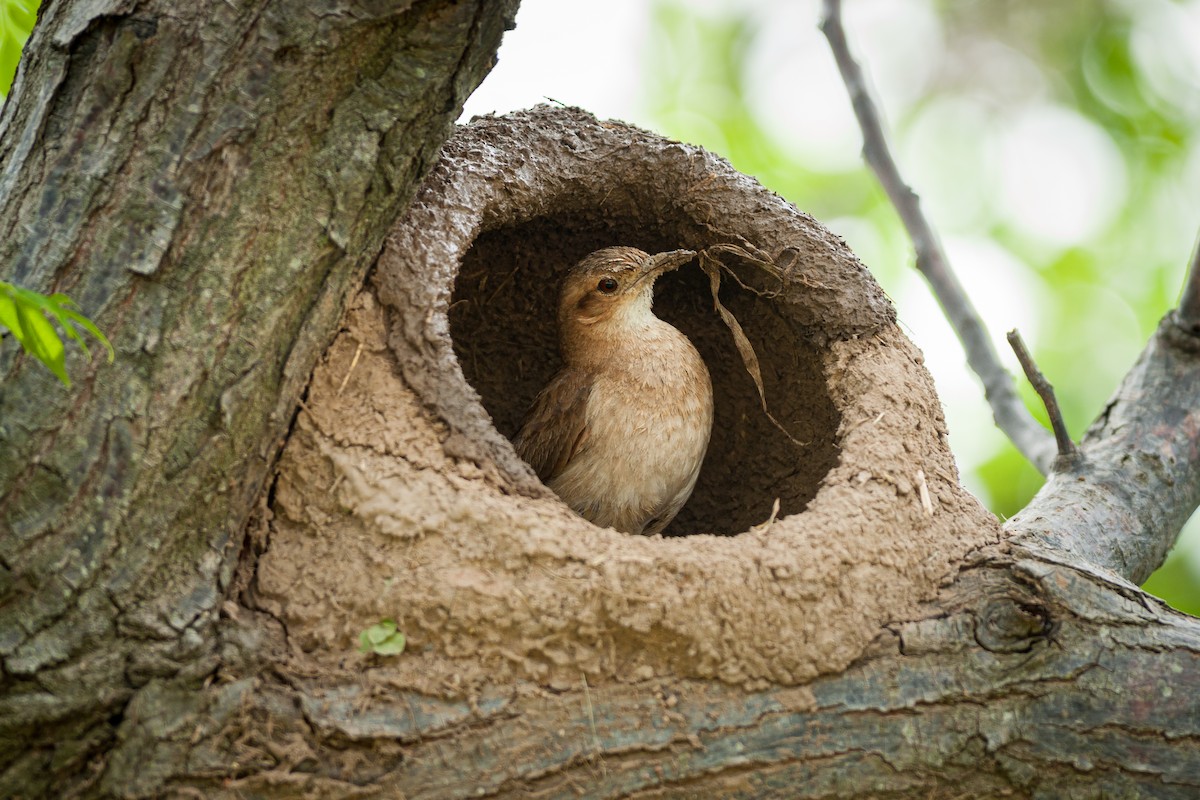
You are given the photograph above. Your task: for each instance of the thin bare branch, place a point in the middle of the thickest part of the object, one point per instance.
(1188, 314)
(1066, 447)
(1011, 416)
(1122, 502)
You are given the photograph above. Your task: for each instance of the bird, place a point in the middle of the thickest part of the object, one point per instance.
(620, 432)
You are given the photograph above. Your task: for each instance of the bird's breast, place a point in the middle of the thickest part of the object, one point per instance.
(649, 417)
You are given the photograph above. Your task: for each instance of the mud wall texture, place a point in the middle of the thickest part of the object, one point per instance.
(400, 496)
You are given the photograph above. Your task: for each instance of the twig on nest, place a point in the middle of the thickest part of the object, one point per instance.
(1188, 314)
(712, 266)
(1011, 416)
(1066, 447)
(591, 715)
(923, 493)
(350, 371)
(766, 524)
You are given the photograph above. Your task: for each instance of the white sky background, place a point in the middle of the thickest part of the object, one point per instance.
(1052, 175)
(581, 54)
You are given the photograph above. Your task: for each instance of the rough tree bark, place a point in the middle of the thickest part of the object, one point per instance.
(210, 181)
(213, 183)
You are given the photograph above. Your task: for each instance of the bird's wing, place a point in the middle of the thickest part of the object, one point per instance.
(556, 426)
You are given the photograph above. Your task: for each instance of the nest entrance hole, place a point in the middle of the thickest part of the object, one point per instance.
(502, 322)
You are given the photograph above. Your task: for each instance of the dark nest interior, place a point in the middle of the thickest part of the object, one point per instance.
(502, 319)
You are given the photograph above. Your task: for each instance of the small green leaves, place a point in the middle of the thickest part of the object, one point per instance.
(24, 313)
(382, 639)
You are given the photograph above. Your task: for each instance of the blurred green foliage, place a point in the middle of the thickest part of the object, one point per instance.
(16, 21)
(1125, 75)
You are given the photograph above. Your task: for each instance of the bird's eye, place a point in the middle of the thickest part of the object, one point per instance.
(607, 285)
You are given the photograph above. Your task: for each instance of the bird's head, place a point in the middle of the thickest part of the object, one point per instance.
(613, 286)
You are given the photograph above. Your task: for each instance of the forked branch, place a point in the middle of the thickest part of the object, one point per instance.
(1119, 500)
(1011, 416)
(1122, 502)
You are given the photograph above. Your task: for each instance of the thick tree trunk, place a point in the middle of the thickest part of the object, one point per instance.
(210, 181)
(212, 184)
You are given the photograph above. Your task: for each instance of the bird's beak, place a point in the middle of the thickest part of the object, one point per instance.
(659, 263)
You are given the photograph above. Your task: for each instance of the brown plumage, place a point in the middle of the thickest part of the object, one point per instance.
(620, 432)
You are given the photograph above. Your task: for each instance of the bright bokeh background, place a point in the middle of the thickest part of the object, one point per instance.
(1055, 146)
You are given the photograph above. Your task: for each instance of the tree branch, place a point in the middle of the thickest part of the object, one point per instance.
(1188, 315)
(1122, 503)
(1010, 413)
(1018, 675)
(1066, 447)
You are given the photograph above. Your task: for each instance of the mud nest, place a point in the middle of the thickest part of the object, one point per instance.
(502, 312)
(400, 495)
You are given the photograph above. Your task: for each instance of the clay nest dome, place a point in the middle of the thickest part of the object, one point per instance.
(400, 495)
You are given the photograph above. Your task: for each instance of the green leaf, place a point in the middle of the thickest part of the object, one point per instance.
(392, 646)
(380, 632)
(382, 639)
(16, 21)
(24, 313)
(9, 317)
(66, 316)
(42, 340)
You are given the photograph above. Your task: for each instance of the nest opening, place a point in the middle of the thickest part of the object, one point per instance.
(502, 324)
(398, 496)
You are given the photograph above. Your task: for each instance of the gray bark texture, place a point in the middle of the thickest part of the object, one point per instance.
(213, 181)
(210, 181)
